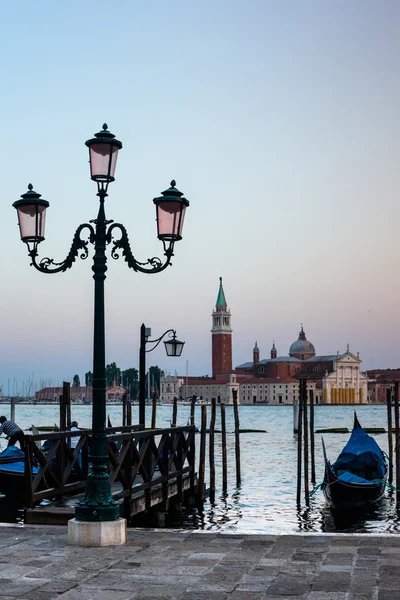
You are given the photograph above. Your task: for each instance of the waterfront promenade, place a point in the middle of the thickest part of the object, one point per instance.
(36, 563)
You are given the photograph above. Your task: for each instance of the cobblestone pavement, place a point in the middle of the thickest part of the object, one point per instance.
(37, 563)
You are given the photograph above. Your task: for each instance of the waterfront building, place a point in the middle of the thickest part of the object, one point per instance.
(379, 381)
(79, 394)
(333, 378)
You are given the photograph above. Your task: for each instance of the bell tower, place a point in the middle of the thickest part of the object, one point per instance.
(221, 335)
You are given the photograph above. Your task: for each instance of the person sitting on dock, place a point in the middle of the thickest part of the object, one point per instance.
(12, 431)
(75, 439)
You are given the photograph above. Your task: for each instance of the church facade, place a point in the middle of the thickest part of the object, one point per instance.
(333, 378)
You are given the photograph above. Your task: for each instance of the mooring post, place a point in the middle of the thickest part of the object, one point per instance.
(212, 449)
(390, 433)
(129, 413)
(305, 448)
(12, 409)
(124, 401)
(237, 437)
(397, 434)
(299, 445)
(223, 438)
(154, 411)
(67, 402)
(174, 412)
(192, 409)
(63, 412)
(202, 456)
(312, 439)
(296, 414)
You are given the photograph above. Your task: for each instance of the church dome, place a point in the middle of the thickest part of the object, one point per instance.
(302, 347)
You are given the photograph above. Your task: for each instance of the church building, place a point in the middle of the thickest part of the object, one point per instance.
(333, 378)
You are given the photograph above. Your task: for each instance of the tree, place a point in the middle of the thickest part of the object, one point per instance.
(130, 381)
(113, 374)
(89, 378)
(76, 382)
(155, 376)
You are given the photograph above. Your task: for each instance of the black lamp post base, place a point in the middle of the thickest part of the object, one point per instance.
(97, 504)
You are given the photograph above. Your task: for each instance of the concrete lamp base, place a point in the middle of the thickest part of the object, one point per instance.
(97, 533)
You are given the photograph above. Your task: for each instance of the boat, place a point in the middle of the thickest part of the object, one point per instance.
(358, 477)
(12, 466)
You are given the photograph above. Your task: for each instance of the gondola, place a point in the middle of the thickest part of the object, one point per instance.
(12, 466)
(358, 477)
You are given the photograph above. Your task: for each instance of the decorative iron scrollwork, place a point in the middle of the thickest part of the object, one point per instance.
(122, 245)
(47, 265)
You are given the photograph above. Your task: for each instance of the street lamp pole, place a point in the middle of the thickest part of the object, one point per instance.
(97, 503)
(173, 347)
(142, 377)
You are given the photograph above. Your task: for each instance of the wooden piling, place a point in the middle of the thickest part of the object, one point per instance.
(237, 437)
(397, 438)
(192, 409)
(223, 439)
(63, 413)
(299, 445)
(154, 410)
(202, 456)
(174, 412)
(212, 448)
(12, 409)
(312, 439)
(67, 402)
(305, 444)
(124, 401)
(295, 415)
(129, 413)
(390, 433)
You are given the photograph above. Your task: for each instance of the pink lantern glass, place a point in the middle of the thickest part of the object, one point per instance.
(103, 160)
(103, 154)
(171, 209)
(31, 212)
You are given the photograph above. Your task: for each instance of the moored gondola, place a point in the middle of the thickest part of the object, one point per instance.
(358, 477)
(12, 466)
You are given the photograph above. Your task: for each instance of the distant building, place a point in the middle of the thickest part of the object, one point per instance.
(336, 378)
(333, 378)
(79, 395)
(379, 381)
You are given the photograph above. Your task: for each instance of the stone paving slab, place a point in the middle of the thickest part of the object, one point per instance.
(38, 564)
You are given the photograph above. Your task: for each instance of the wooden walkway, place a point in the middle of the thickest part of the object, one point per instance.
(148, 471)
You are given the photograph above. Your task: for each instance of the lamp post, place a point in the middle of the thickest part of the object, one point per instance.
(173, 347)
(97, 503)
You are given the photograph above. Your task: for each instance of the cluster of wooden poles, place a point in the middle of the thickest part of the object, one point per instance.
(305, 441)
(392, 403)
(65, 422)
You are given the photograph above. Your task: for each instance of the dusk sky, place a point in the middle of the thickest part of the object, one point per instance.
(279, 121)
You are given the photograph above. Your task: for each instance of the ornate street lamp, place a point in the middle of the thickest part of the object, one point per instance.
(97, 503)
(173, 347)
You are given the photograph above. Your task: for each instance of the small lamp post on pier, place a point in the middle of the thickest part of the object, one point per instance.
(173, 347)
(97, 521)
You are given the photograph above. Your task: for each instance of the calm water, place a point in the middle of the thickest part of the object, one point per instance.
(266, 500)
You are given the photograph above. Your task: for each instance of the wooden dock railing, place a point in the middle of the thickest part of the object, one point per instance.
(139, 462)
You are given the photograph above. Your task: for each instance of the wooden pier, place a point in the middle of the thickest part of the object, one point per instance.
(150, 471)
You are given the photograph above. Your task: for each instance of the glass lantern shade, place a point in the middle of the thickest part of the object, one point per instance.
(103, 154)
(31, 216)
(171, 209)
(174, 347)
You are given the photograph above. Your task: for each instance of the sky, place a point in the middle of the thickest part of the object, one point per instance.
(279, 120)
